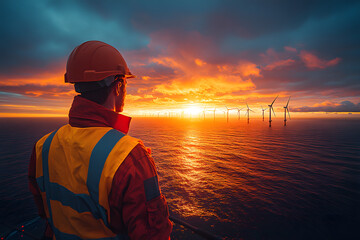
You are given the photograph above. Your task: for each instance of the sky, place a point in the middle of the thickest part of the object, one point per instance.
(187, 54)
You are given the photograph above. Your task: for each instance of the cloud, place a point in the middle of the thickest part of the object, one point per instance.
(195, 50)
(290, 49)
(186, 69)
(41, 91)
(311, 61)
(279, 64)
(345, 106)
(36, 34)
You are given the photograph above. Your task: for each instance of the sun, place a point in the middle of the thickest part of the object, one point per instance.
(193, 110)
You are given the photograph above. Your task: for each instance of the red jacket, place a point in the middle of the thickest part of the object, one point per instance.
(129, 210)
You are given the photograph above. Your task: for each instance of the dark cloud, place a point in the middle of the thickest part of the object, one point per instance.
(345, 106)
(36, 33)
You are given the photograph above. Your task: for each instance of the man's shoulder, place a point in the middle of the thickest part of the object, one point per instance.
(140, 151)
(41, 141)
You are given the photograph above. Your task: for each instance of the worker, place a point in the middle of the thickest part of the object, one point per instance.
(91, 180)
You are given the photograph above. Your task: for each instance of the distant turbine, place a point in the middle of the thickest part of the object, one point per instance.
(286, 110)
(214, 112)
(224, 112)
(263, 110)
(271, 108)
(227, 111)
(248, 112)
(239, 109)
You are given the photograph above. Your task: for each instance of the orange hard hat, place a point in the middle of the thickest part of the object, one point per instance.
(94, 61)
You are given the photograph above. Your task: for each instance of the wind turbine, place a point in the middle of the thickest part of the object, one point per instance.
(271, 108)
(263, 110)
(286, 110)
(214, 112)
(248, 112)
(227, 111)
(224, 112)
(239, 109)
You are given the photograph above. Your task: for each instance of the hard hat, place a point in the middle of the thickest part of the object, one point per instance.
(94, 61)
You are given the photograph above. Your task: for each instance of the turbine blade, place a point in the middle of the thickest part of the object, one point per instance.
(274, 100)
(288, 113)
(251, 110)
(288, 102)
(273, 111)
(247, 105)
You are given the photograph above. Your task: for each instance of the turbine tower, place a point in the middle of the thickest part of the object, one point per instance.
(263, 110)
(286, 110)
(239, 109)
(248, 112)
(271, 108)
(227, 113)
(224, 112)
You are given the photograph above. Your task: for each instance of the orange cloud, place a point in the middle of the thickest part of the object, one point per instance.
(326, 104)
(205, 79)
(199, 62)
(247, 69)
(205, 86)
(312, 61)
(279, 64)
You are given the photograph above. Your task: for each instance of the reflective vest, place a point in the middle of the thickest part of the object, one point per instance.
(74, 171)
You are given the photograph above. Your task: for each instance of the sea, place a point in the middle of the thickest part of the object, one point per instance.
(233, 179)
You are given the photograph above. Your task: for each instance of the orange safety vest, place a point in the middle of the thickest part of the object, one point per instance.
(74, 171)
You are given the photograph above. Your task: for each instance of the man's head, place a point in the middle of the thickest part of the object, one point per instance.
(99, 73)
(111, 96)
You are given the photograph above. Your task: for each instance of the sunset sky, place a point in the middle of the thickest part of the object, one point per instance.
(187, 54)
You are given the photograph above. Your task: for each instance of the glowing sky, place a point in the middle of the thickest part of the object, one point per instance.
(187, 53)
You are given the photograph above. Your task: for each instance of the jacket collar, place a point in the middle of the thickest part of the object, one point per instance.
(86, 113)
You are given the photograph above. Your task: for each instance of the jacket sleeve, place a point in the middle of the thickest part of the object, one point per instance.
(137, 206)
(34, 189)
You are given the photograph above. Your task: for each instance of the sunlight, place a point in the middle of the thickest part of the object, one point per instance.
(193, 111)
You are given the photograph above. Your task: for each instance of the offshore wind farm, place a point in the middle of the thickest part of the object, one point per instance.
(195, 112)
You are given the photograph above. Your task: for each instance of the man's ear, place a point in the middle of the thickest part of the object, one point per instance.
(117, 88)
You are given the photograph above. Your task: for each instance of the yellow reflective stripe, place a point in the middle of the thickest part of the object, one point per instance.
(38, 151)
(39, 170)
(45, 161)
(70, 154)
(84, 225)
(118, 154)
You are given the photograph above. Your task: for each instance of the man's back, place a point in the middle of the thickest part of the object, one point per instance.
(100, 181)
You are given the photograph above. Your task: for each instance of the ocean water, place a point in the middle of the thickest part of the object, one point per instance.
(235, 180)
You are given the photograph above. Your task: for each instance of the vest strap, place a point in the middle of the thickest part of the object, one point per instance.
(97, 161)
(45, 163)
